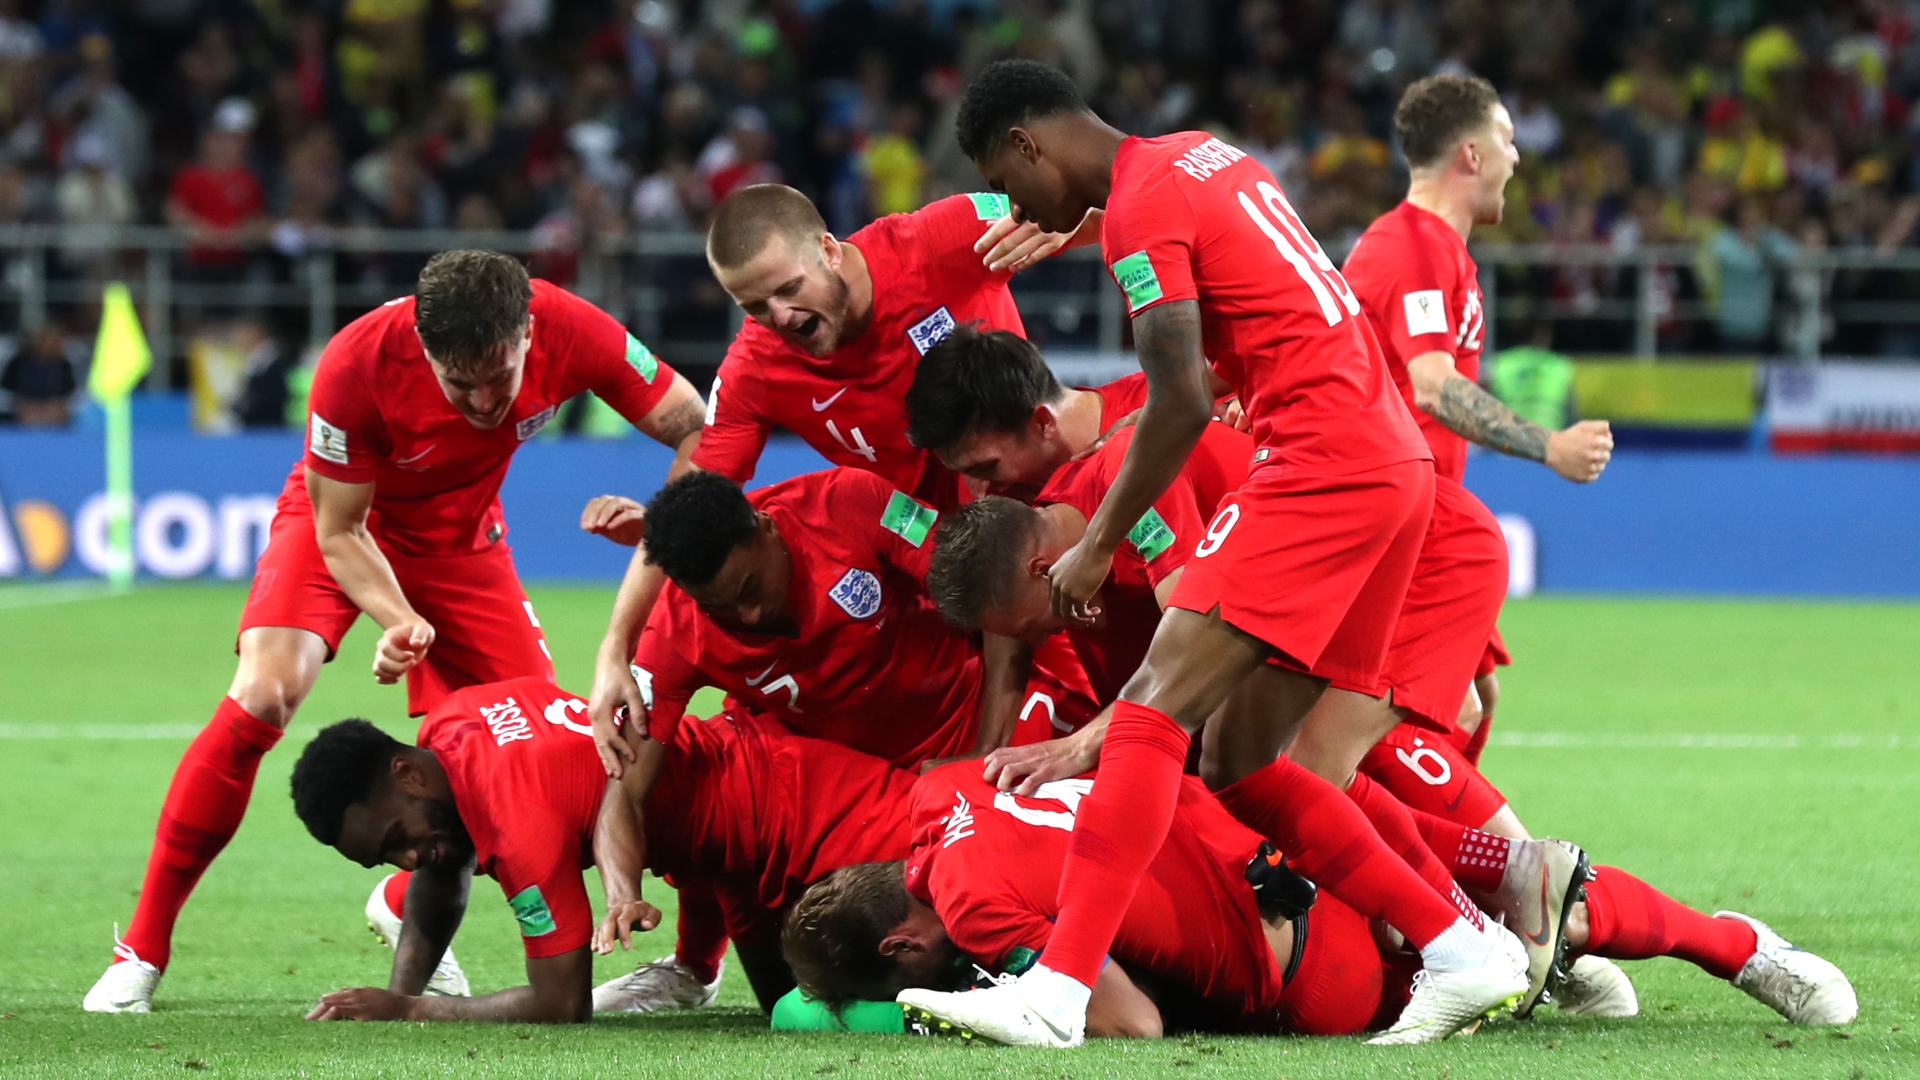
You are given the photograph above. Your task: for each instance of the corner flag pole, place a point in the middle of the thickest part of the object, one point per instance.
(121, 359)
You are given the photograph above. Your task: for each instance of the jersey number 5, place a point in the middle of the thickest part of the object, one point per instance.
(1299, 248)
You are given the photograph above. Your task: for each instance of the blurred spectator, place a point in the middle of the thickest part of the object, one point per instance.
(1737, 274)
(93, 191)
(739, 156)
(896, 173)
(42, 381)
(218, 199)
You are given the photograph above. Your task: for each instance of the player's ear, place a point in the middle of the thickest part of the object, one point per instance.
(1044, 421)
(407, 776)
(1039, 566)
(766, 524)
(901, 943)
(1021, 142)
(831, 253)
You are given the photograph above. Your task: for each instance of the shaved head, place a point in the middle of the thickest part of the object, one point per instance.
(750, 217)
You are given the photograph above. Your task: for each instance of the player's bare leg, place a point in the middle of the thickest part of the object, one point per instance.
(205, 802)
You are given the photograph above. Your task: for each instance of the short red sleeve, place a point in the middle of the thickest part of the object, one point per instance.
(602, 355)
(736, 432)
(538, 868)
(667, 681)
(899, 526)
(1417, 317)
(948, 228)
(1148, 239)
(344, 430)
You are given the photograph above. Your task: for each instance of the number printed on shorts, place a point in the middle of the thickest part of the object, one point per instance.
(1298, 247)
(1223, 523)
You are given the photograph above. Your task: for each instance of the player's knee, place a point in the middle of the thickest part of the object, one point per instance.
(269, 698)
(1470, 713)
(1488, 687)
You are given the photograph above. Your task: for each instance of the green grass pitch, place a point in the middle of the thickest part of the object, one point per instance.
(1777, 812)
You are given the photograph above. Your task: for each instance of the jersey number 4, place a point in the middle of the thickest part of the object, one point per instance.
(1299, 248)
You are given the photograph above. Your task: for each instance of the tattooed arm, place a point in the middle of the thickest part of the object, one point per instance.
(1579, 453)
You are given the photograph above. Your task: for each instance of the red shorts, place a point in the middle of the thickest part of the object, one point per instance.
(484, 626)
(1452, 605)
(1343, 985)
(1430, 773)
(1496, 655)
(1315, 566)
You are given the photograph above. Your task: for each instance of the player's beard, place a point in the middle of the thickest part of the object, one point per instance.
(444, 818)
(833, 320)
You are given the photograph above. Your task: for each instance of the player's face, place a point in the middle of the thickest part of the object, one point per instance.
(484, 395)
(750, 591)
(1016, 464)
(1498, 158)
(1028, 613)
(796, 291)
(1034, 182)
(404, 829)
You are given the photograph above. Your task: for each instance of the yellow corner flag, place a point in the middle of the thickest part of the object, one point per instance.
(120, 360)
(120, 354)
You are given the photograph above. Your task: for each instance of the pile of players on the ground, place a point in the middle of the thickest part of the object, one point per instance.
(956, 783)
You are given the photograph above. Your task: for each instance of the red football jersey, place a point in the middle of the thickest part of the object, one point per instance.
(377, 415)
(989, 862)
(1191, 218)
(873, 667)
(849, 405)
(519, 756)
(761, 812)
(1160, 543)
(1421, 291)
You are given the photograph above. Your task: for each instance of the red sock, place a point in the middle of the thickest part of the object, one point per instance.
(395, 892)
(1327, 838)
(1478, 741)
(1119, 829)
(701, 929)
(1477, 860)
(205, 803)
(1394, 822)
(1628, 919)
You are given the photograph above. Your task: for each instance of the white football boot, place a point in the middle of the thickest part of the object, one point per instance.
(1444, 1002)
(127, 986)
(1795, 983)
(657, 987)
(1542, 880)
(1013, 1011)
(1595, 986)
(448, 980)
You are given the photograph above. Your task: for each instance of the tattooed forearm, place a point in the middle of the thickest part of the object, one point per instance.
(672, 428)
(1477, 415)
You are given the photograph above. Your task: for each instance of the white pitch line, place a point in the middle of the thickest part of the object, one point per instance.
(1629, 741)
(26, 596)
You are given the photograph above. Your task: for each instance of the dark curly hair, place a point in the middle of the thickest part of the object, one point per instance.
(469, 305)
(694, 523)
(976, 557)
(976, 382)
(1007, 94)
(1437, 112)
(832, 936)
(340, 767)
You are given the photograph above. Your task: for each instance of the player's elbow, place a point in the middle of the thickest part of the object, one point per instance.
(1136, 1023)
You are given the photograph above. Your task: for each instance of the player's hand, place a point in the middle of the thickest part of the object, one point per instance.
(365, 1003)
(620, 923)
(1581, 452)
(615, 517)
(1075, 578)
(1233, 415)
(618, 714)
(1013, 246)
(1022, 769)
(402, 645)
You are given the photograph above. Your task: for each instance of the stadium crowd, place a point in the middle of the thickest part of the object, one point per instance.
(1745, 130)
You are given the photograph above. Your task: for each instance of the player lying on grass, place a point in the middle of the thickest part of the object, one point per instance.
(804, 601)
(417, 410)
(505, 782)
(987, 404)
(980, 887)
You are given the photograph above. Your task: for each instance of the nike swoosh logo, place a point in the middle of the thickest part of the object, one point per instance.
(758, 679)
(820, 406)
(1063, 1036)
(416, 457)
(1541, 936)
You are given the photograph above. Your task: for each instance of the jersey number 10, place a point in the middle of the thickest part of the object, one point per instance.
(1299, 248)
